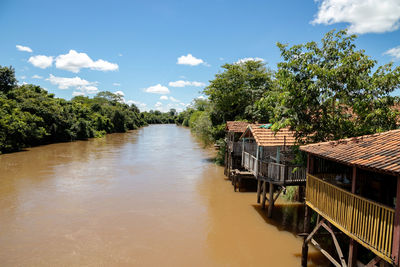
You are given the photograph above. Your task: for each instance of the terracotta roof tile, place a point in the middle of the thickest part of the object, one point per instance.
(236, 126)
(267, 137)
(377, 151)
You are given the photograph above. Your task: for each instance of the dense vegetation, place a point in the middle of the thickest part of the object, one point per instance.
(158, 117)
(29, 115)
(323, 91)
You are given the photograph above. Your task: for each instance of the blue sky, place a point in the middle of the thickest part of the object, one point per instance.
(161, 54)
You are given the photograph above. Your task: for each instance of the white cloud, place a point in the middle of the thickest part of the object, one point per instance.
(37, 77)
(103, 65)
(41, 61)
(173, 99)
(158, 104)
(163, 97)
(75, 93)
(157, 89)
(24, 48)
(23, 77)
(189, 60)
(116, 84)
(243, 60)
(74, 62)
(375, 16)
(394, 52)
(65, 83)
(85, 90)
(201, 97)
(182, 83)
(119, 93)
(89, 89)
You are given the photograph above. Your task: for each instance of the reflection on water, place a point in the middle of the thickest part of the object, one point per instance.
(148, 197)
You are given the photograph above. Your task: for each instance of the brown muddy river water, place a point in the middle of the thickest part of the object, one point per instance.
(151, 197)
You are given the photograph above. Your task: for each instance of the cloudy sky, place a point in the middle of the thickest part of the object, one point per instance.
(161, 54)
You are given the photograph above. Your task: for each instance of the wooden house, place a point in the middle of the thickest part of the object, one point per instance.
(233, 152)
(268, 155)
(354, 186)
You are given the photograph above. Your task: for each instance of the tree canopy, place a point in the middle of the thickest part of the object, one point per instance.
(29, 115)
(331, 90)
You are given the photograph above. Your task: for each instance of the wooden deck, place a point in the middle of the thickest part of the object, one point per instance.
(366, 221)
(276, 173)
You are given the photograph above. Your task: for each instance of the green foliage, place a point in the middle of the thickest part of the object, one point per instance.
(7, 79)
(29, 115)
(158, 117)
(234, 92)
(220, 159)
(332, 91)
(291, 193)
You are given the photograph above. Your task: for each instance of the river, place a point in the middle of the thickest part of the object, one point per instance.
(150, 197)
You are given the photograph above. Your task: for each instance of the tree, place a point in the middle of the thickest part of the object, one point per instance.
(7, 79)
(29, 115)
(234, 91)
(331, 90)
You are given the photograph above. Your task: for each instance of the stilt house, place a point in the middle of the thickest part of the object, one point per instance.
(354, 186)
(269, 155)
(233, 153)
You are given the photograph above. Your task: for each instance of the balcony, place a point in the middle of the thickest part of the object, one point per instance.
(283, 174)
(368, 222)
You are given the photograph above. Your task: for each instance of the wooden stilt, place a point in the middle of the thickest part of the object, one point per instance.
(373, 262)
(258, 190)
(396, 228)
(306, 229)
(271, 200)
(264, 194)
(352, 260)
(337, 246)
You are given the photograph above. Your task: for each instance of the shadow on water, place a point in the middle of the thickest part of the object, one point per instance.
(209, 160)
(289, 217)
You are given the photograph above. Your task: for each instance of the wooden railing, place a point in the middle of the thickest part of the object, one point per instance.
(366, 221)
(250, 163)
(280, 173)
(286, 173)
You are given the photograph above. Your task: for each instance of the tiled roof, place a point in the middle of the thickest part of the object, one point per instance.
(267, 137)
(236, 126)
(377, 151)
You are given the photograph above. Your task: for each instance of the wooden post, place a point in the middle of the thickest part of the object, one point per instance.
(234, 182)
(256, 163)
(396, 228)
(306, 229)
(271, 199)
(258, 190)
(243, 150)
(352, 260)
(264, 194)
(307, 216)
(311, 169)
(278, 154)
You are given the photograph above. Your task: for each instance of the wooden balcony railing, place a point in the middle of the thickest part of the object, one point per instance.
(366, 221)
(250, 162)
(286, 173)
(280, 173)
